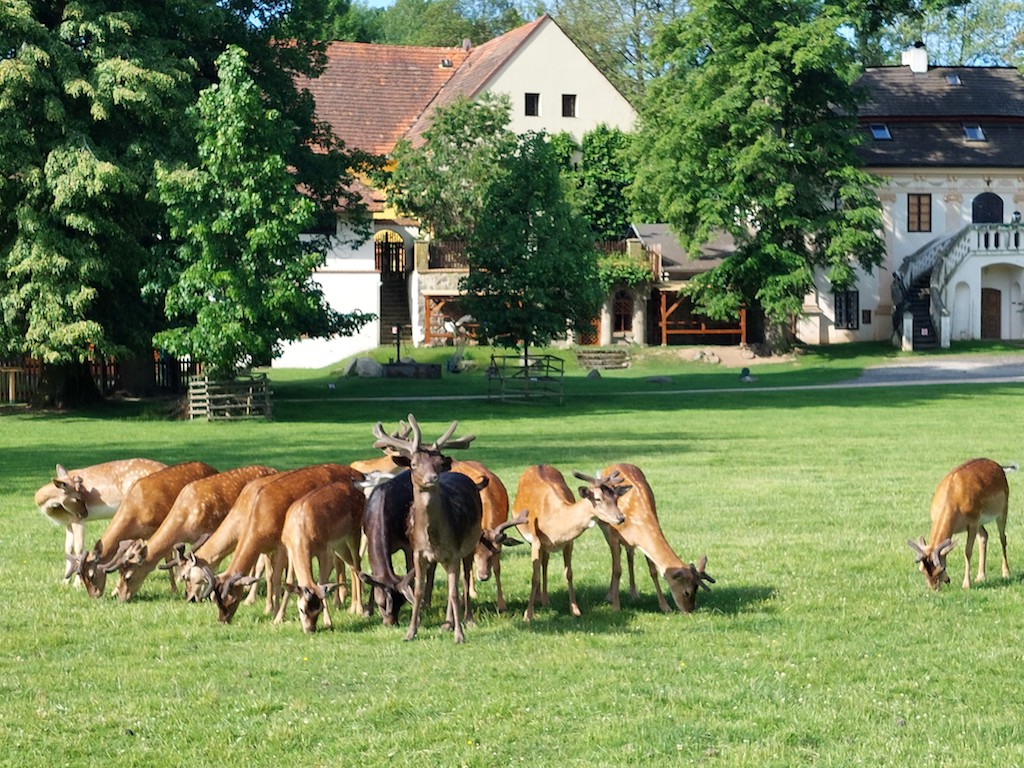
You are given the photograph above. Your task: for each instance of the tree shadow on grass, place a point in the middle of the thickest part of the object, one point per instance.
(733, 601)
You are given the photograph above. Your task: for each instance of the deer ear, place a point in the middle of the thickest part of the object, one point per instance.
(620, 490)
(586, 493)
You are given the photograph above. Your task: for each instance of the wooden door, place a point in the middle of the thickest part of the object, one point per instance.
(991, 313)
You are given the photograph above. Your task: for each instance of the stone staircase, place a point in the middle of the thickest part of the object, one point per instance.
(394, 308)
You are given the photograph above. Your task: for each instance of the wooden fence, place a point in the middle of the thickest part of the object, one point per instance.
(246, 397)
(508, 378)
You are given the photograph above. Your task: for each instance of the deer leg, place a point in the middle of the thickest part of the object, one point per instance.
(615, 548)
(534, 581)
(499, 600)
(278, 561)
(355, 564)
(630, 557)
(1002, 542)
(419, 577)
(567, 559)
(453, 603)
(982, 553)
(968, 551)
(662, 602)
(467, 577)
(544, 557)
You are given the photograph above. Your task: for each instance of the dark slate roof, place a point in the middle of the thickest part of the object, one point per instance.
(926, 115)
(676, 260)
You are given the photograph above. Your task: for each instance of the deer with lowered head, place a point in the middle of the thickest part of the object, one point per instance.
(641, 530)
(551, 520)
(198, 511)
(91, 493)
(143, 510)
(445, 522)
(325, 522)
(971, 495)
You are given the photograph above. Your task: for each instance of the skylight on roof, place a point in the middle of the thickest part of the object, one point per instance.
(973, 132)
(880, 132)
(952, 78)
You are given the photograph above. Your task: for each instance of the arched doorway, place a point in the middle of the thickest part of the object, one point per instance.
(389, 252)
(987, 208)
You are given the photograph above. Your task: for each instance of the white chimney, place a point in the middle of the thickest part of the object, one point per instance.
(916, 58)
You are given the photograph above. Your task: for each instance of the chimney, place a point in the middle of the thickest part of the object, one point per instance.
(916, 58)
(466, 44)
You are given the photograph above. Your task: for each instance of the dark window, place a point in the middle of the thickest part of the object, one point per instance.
(987, 208)
(532, 104)
(952, 78)
(919, 213)
(568, 105)
(847, 309)
(622, 312)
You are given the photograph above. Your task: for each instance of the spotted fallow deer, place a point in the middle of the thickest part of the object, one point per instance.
(446, 517)
(969, 496)
(262, 534)
(207, 554)
(554, 519)
(325, 522)
(641, 530)
(198, 511)
(90, 493)
(143, 510)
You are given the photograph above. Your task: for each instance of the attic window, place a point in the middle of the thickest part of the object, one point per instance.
(446, 63)
(952, 78)
(973, 132)
(880, 132)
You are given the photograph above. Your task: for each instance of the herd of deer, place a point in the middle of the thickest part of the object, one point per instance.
(415, 500)
(188, 518)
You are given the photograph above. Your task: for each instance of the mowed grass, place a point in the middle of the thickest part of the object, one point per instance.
(819, 644)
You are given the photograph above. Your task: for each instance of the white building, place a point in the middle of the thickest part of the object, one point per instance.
(374, 95)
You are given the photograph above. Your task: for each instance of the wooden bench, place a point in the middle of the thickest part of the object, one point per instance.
(603, 358)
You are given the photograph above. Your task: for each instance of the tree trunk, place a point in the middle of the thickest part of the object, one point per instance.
(778, 337)
(66, 385)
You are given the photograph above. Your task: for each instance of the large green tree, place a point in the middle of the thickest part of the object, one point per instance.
(532, 267)
(442, 181)
(245, 282)
(92, 94)
(750, 131)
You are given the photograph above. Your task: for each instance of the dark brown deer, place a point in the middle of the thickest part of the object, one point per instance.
(446, 517)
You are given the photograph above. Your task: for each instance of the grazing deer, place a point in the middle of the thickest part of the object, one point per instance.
(386, 528)
(91, 493)
(198, 511)
(971, 495)
(641, 530)
(262, 534)
(494, 499)
(554, 519)
(143, 510)
(446, 517)
(325, 521)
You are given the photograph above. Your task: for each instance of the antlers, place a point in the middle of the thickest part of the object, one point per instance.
(400, 444)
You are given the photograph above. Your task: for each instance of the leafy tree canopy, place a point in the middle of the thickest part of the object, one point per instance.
(533, 270)
(246, 277)
(750, 132)
(442, 181)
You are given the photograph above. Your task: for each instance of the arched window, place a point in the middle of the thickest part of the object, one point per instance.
(987, 208)
(389, 252)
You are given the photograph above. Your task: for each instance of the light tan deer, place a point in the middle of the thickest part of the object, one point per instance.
(90, 493)
(969, 496)
(198, 511)
(641, 530)
(554, 520)
(143, 510)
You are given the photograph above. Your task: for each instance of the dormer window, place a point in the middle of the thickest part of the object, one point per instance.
(880, 132)
(973, 132)
(952, 78)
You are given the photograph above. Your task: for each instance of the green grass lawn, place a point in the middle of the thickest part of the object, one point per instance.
(818, 646)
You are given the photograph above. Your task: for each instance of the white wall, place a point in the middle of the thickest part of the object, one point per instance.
(349, 281)
(552, 65)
